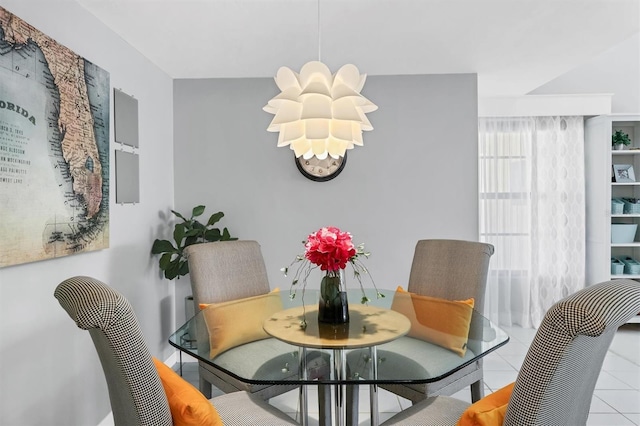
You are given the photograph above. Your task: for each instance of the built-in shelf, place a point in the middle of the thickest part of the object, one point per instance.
(602, 188)
(625, 152)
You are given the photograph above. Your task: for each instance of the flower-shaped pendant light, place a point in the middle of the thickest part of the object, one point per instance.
(317, 113)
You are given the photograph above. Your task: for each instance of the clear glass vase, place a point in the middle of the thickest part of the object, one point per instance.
(333, 307)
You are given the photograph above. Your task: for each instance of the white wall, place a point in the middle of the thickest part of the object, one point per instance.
(415, 177)
(616, 71)
(50, 372)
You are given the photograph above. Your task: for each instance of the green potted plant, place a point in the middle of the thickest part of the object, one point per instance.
(619, 139)
(173, 261)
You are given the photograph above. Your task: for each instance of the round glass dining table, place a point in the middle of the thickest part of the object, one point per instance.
(292, 348)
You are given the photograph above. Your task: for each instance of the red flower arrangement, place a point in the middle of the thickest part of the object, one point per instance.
(330, 249)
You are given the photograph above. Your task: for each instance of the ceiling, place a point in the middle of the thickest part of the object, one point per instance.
(514, 46)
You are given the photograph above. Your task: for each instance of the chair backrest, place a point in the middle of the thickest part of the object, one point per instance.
(135, 391)
(451, 269)
(226, 270)
(556, 382)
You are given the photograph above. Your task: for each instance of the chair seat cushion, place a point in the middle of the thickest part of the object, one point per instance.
(239, 321)
(438, 411)
(440, 321)
(242, 409)
(266, 359)
(188, 406)
(407, 357)
(489, 411)
(271, 359)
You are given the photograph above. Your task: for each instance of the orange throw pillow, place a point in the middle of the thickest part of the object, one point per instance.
(239, 321)
(489, 411)
(188, 406)
(440, 321)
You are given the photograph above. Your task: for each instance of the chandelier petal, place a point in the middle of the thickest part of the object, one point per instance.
(342, 90)
(301, 146)
(365, 124)
(319, 148)
(336, 147)
(348, 75)
(287, 79)
(342, 129)
(315, 71)
(356, 135)
(317, 87)
(316, 106)
(344, 109)
(290, 132)
(316, 128)
(287, 113)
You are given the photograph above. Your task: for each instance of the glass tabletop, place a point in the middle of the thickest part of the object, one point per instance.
(232, 337)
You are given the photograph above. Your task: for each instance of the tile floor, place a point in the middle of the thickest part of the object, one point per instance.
(616, 400)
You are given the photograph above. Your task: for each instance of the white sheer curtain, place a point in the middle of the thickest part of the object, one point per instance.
(532, 210)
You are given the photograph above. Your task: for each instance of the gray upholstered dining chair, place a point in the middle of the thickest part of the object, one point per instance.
(229, 270)
(556, 382)
(446, 269)
(136, 393)
(454, 270)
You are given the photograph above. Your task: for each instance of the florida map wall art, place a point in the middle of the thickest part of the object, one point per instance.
(54, 147)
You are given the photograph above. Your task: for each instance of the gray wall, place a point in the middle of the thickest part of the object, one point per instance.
(50, 372)
(415, 177)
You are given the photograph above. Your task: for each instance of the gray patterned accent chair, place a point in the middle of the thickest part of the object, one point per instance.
(556, 382)
(135, 390)
(446, 269)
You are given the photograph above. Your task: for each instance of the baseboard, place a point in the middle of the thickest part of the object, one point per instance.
(173, 359)
(107, 421)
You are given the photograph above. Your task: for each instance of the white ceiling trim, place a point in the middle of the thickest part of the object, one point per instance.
(545, 105)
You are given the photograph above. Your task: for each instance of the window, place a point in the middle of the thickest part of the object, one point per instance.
(532, 211)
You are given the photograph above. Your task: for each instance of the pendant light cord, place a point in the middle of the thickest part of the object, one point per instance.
(319, 56)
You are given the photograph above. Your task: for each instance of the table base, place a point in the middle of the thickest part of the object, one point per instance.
(339, 361)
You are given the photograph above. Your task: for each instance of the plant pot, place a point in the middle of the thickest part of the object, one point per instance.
(619, 146)
(333, 306)
(334, 311)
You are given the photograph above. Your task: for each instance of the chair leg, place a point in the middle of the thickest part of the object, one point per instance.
(205, 388)
(477, 391)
